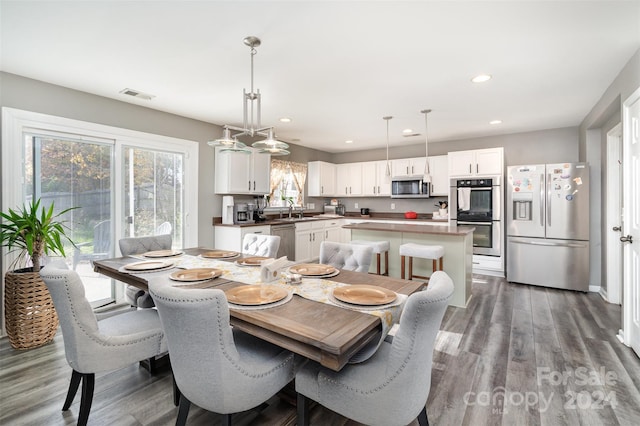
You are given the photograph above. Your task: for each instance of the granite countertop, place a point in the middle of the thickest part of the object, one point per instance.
(412, 228)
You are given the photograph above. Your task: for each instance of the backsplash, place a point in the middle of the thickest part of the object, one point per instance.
(382, 204)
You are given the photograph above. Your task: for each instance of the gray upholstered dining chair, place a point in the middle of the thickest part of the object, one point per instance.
(260, 245)
(93, 346)
(346, 256)
(215, 366)
(130, 246)
(392, 387)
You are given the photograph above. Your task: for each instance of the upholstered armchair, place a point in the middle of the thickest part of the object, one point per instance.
(130, 246)
(346, 256)
(392, 387)
(93, 346)
(260, 245)
(216, 367)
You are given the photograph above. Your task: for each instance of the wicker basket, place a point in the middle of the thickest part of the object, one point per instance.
(31, 320)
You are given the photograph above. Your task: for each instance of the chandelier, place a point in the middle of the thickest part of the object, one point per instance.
(251, 122)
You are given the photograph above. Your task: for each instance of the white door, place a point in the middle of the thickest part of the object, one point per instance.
(631, 221)
(614, 214)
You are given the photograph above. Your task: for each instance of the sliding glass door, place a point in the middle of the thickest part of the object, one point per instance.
(68, 171)
(124, 182)
(153, 193)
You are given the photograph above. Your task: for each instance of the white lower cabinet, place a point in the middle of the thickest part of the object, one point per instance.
(333, 230)
(309, 235)
(230, 237)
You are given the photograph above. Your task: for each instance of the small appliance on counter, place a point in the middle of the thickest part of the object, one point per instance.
(338, 210)
(258, 213)
(243, 213)
(228, 213)
(364, 212)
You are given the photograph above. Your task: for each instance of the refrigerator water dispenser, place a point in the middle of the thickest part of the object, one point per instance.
(522, 207)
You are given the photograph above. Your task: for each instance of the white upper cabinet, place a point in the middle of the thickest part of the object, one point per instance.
(349, 179)
(242, 172)
(479, 162)
(375, 182)
(439, 170)
(321, 179)
(408, 166)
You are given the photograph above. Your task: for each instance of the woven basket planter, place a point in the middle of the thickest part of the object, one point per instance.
(30, 318)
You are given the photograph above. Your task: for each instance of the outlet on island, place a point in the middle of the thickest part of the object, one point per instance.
(355, 206)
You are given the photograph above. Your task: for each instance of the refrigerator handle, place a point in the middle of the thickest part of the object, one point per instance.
(549, 200)
(541, 200)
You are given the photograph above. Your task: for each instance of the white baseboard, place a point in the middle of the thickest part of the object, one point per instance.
(603, 294)
(594, 288)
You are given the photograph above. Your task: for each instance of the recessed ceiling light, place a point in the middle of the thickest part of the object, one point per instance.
(481, 78)
(495, 122)
(348, 141)
(407, 131)
(285, 120)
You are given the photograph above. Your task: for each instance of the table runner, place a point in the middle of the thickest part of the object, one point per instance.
(316, 289)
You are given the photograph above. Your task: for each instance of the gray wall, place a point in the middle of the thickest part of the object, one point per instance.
(32, 95)
(544, 146)
(36, 96)
(605, 114)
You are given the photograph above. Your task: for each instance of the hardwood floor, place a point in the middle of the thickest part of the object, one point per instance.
(517, 355)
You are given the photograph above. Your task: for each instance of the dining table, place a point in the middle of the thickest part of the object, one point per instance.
(328, 333)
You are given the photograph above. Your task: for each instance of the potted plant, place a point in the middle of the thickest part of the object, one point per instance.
(33, 231)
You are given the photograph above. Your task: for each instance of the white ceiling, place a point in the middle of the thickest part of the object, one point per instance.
(335, 68)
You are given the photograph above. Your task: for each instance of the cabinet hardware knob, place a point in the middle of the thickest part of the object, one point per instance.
(617, 228)
(627, 239)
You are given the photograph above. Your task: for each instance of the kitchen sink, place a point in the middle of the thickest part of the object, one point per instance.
(295, 219)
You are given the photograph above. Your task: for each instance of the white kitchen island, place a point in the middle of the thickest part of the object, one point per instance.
(456, 240)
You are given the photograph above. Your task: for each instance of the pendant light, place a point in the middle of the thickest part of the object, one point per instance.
(228, 143)
(251, 123)
(387, 172)
(427, 171)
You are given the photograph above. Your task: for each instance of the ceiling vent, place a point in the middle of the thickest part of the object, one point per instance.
(137, 94)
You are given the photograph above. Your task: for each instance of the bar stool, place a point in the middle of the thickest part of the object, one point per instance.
(378, 247)
(422, 251)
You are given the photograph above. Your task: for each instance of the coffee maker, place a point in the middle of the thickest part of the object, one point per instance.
(242, 214)
(258, 213)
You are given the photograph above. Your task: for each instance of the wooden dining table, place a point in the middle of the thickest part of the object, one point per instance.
(322, 332)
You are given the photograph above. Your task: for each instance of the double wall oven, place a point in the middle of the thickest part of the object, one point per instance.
(478, 202)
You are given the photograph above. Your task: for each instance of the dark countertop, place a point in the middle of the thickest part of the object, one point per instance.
(273, 220)
(412, 228)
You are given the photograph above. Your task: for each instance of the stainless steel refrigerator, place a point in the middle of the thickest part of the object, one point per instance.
(548, 225)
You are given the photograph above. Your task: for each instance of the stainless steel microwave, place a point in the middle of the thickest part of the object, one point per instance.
(409, 187)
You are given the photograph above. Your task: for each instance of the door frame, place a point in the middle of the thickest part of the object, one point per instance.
(625, 334)
(613, 201)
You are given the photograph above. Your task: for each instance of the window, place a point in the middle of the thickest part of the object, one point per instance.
(127, 183)
(287, 183)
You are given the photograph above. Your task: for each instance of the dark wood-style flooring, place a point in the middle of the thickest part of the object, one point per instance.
(518, 355)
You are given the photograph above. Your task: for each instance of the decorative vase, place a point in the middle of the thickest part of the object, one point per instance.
(30, 318)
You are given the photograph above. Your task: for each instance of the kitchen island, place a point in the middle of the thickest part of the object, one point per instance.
(456, 240)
